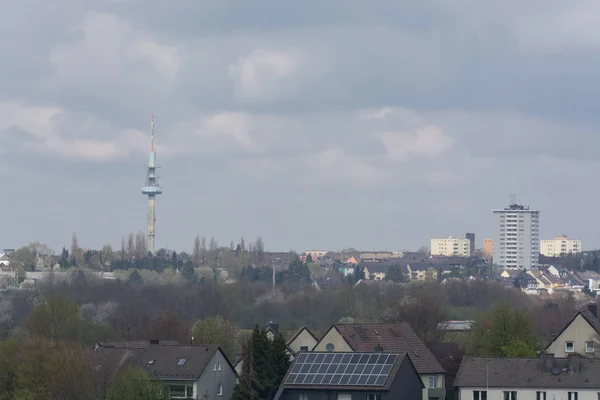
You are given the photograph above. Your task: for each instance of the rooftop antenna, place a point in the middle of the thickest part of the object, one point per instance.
(151, 189)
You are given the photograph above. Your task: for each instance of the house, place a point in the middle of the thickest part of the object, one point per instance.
(272, 330)
(544, 378)
(422, 271)
(388, 337)
(303, 340)
(376, 271)
(579, 336)
(4, 259)
(526, 282)
(187, 371)
(351, 376)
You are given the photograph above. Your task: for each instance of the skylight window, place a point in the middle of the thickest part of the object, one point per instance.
(151, 362)
(181, 362)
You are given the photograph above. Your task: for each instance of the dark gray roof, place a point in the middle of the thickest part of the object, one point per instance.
(134, 344)
(526, 373)
(158, 361)
(591, 319)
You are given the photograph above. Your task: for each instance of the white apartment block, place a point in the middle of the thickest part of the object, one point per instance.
(451, 247)
(516, 237)
(559, 246)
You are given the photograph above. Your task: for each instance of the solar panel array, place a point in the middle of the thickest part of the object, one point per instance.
(341, 369)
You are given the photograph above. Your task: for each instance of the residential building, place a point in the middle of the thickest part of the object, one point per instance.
(351, 376)
(424, 271)
(376, 271)
(315, 254)
(188, 372)
(451, 246)
(4, 259)
(580, 335)
(516, 237)
(471, 238)
(488, 247)
(396, 338)
(380, 255)
(560, 246)
(303, 340)
(543, 378)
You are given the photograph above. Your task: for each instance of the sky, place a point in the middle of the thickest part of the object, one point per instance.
(315, 124)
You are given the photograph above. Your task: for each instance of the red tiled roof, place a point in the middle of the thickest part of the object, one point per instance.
(394, 338)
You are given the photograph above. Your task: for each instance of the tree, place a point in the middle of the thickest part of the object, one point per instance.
(244, 390)
(8, 369)
(188, 273)
(504, 332)
(197, 252)
(56, 319)
(259, 247)
(262, 361)
(141, 246)
(280, 358)
(394, 274)
(216, 330)
(76, 252)
(23, 258)
(135, 384)
(55, 370)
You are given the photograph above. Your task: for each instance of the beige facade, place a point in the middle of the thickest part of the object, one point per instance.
(451, 247)
(315, 253)
(558, 246)
(333, 341)
(578, 337)
(302, 341)
(488, 247)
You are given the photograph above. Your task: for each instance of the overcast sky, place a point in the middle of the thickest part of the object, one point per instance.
(317, 124)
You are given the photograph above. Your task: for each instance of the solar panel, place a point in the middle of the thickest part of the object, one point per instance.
(341, 369)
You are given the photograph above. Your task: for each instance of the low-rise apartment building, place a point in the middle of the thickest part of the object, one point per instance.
(451, 247)
(560, 246)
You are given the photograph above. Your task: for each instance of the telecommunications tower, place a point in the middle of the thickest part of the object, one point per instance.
(151, 189)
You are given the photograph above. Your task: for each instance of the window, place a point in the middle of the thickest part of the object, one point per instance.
(510, 395)
(303, 348)
(373, 397)
(302, 396)
(181, 362)
(214, 367)
(432, 382)
(589, 347)
(572, 396)
(569, 347)
(329, 347)
(344, 396)
(181, 391)
(218, 366)
(220, 390)
(480, 395)
(540, 395)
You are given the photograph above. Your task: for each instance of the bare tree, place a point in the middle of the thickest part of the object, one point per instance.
(259, 246)
(204, 250)
(212, 249)
(77, 257)
(130, 246)
(141, 245)
(197, 252)
(122, 248)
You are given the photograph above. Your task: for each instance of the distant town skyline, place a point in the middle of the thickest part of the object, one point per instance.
(314, 125)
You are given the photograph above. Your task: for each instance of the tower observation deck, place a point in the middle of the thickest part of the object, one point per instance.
(151, 189)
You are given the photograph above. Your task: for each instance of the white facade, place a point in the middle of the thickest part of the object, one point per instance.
(559, 246)
(451, 247)
(527, 394)
(516, 237)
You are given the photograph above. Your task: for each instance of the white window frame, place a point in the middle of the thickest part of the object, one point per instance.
(220, 390)
(572, 396)
(572, 347)
(540, 395)
(479, 394)
(589, 347)
(510, 395)
(373, 396)
(433, 382)
(218, 366)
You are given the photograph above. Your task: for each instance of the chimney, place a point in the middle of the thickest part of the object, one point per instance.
(593, 308)
(573, 361)
(547, 361)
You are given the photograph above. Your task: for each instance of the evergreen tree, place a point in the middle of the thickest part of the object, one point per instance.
(188, 273)
(262, 361)
(280, 358)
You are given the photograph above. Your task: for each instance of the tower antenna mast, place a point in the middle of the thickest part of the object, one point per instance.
(151, 189)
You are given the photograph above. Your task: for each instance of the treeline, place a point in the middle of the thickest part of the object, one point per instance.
(133, 254)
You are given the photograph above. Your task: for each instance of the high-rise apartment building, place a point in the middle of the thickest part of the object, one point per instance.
(559, 246)
(471, 237)
(516, 237)
(451, 247)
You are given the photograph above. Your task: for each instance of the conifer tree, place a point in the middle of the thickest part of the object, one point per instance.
(280, 358)
(262, 360)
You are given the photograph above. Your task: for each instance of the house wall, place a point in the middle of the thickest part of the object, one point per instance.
(407, 384)
(333, 337)
(438, 392)
(579, 332)
(303, 339)
(210, 380)
(530, 394)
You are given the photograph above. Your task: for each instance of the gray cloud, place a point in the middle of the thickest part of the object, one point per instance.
(316, 124)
